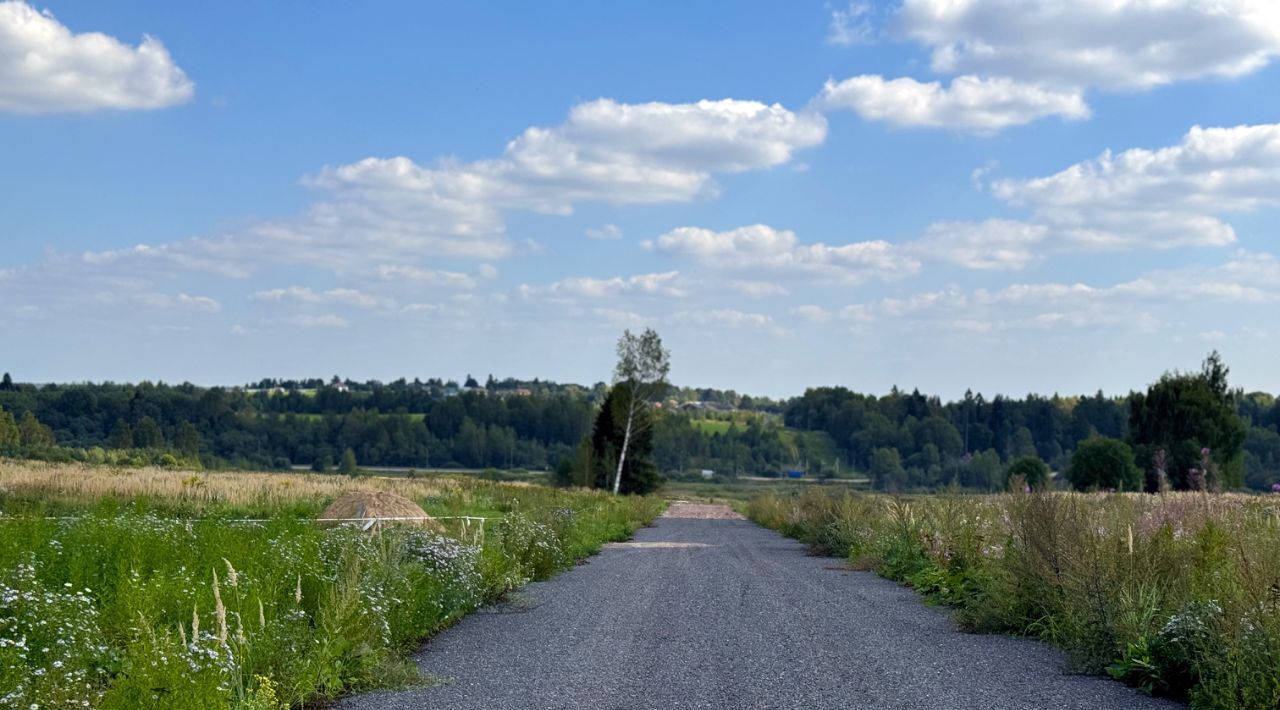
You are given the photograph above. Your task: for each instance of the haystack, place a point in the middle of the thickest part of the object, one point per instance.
(377, 507)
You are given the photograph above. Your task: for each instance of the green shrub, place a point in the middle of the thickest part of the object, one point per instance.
(1104, 464)
(1029, 471)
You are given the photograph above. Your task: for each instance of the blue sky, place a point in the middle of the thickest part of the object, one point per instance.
(1006, 196)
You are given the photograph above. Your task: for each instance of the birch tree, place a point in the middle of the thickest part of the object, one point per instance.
(643, 365)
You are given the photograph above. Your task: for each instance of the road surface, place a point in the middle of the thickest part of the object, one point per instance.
(721, 613)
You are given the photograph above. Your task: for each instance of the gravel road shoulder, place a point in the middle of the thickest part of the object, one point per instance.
(700, 612)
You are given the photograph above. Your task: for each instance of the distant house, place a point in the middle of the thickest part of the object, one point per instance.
(341, 387)
(524, 392)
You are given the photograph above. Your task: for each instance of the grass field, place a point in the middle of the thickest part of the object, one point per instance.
(711, 426)
(148, 588)
(1178, 594)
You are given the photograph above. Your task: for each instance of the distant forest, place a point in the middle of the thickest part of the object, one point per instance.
(901, 440)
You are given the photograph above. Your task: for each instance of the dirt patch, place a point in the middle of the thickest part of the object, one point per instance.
(700, 511)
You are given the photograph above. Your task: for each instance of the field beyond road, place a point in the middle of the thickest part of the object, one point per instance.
(700, 612)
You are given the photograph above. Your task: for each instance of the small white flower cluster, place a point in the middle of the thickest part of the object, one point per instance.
(49, 637)
(1191, 625)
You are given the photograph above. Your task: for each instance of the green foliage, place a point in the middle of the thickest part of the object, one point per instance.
(33, 434)
(10, 435)
(1174, 594)
(148, 434)
(130, 606)
(1104, 464)
(1030, 470)
(400, 424)
(349, 467)
(966, 443)
(1184, 414)
(121, 435)
(639, 474)
(886, 470)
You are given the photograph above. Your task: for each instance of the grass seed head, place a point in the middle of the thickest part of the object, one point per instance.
(219, 611)
(233, 579)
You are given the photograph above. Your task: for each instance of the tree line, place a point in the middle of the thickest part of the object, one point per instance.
(236, 427)
(910, 440)
(901, 440)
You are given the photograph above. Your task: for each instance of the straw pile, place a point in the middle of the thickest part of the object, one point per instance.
(354, 506)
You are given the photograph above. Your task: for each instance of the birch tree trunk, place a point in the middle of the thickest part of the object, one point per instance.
(626, 443)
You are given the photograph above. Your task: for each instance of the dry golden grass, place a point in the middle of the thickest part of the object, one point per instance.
(78, 483)
(367, 505)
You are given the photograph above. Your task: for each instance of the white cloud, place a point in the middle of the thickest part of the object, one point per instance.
(46, 68)
(1016, 61)
(993, 245)
(621, 317)
(762, 248)
(1150, 302)
(606, 151)
(1248, 278)
(759, 289)
(393, 210)
(660, 284)
(1158, 198)
(199, 303)
(327, 320)
(149, 299)
(851, 25)
(1109, 44)
(337, 296)
(1019, 307)
(729, 318)
(605, 233)
(401, 273)
(982, 105)
(812, 313)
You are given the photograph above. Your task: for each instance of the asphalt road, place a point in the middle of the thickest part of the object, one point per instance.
(725, 614)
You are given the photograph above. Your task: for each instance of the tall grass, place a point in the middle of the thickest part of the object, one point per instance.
(1178, 594)
(145, 593)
